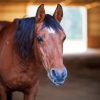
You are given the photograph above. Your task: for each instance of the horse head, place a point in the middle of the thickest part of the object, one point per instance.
(48, 41)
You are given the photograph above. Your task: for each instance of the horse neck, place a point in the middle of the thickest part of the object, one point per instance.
(3, 24)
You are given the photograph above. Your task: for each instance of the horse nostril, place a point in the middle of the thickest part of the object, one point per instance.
(53, 73)
(64, 73)
(58, 73)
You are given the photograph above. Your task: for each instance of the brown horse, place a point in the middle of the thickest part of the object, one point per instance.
(27, 46)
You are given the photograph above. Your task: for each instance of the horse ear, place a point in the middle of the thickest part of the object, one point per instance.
(40, 15)
(58, 14)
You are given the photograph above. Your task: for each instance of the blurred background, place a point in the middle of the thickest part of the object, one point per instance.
(81, 23)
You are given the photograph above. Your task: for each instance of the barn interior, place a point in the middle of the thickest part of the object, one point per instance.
(82, 59)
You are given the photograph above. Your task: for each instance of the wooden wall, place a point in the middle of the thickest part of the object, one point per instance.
(94, 27)
(10, 11)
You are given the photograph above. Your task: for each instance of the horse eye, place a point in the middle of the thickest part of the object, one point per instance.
(64, 38)
(40, 39)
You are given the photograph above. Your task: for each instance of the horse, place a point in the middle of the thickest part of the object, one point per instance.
(27, 47)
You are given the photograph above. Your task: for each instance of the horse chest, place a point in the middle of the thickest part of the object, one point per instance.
(21, 79)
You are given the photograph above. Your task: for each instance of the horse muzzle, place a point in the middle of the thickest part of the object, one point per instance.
(57, 76)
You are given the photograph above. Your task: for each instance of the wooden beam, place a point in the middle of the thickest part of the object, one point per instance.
(88, 3)
(92, 5)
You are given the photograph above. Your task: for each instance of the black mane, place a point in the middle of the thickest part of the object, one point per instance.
(24, 36)
(50, 21)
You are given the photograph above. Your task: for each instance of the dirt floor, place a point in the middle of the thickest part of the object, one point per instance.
(83, 82)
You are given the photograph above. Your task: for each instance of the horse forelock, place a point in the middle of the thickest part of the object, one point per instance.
(51, 23)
